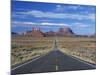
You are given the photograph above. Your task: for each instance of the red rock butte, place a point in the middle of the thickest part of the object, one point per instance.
(36, 32)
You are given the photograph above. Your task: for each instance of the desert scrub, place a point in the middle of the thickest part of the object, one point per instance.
(26, 48)
(83, 48)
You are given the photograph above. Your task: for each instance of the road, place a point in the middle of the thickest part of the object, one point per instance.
(52, 62)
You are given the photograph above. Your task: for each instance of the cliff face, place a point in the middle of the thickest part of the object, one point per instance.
(61, 32)
(50, 33)
(36, 32)
(65, 32)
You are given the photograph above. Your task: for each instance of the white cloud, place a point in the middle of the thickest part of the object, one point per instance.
(17, 22)
(63, 8)
(80, 25)
(59, 8)
(18, 15)
(54, 24)
(74, 7)
(92, 17)
(32, 24)
(41, 14)
(22, 24)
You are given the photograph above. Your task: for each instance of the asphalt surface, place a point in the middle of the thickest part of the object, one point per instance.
(52, 62)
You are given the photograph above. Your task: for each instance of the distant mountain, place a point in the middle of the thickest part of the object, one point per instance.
(65, 32)
(93, 35)
(36, 32)
(50, 33)
(61, 32)
(14, 33)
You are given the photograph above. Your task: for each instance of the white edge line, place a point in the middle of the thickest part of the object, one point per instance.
(27, 63)
(44, 55)
(80, 60)
(83, 61)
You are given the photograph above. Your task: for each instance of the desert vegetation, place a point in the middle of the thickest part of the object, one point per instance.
(81, 47)
(24, 48)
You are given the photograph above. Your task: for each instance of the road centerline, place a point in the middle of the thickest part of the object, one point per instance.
(55, 60)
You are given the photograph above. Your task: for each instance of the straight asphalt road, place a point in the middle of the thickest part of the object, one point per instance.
(52, 62)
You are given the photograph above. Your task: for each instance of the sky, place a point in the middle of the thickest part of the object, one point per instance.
(52, 16)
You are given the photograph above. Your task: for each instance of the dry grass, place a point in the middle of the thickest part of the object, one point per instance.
(25, 48)
(80, 47)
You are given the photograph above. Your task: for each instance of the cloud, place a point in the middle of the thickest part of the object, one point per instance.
(74, 7)
(32, 24)
(22, 24)
(60, 8)
(54, 24)
(49, 24)
(18, 15)
(92, 17)
(80, 25)
(53, 15)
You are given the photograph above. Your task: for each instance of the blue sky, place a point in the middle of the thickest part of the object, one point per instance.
(51, 16)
